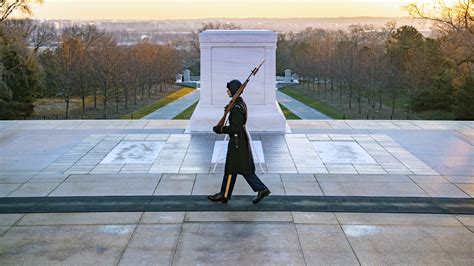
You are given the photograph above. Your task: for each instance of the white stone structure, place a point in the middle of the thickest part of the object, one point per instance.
(288, 78)
(187, 75)
(232, 54)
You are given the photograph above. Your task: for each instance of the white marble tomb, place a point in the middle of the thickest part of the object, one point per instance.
(232, 54)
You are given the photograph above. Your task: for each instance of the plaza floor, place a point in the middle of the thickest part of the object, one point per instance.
(321, 158)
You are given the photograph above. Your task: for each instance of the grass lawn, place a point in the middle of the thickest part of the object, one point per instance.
(436, 115)
(186, 114)
(55, 108)
(319, 106)
(142, 112)
(324, 96)
(289, 115)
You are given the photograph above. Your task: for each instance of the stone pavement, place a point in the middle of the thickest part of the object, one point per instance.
(173, 109)
(398, 159)
(301, 110)
(243, 238)
(407, 158)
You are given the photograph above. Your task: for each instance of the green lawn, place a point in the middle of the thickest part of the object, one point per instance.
(186, 114)
(289, 115)
(140, 113)
(319, 106)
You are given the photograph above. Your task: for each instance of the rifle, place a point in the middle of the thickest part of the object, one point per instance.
(231, 104)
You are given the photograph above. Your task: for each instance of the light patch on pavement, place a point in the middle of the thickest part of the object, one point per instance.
(361, 230)
(342, 152)
(220, 151)
(133, 152)
(115, 229)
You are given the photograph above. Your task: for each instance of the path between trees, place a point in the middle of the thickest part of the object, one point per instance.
(175, 108)
(300, 109)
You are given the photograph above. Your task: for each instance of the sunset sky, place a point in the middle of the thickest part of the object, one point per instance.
(194, 9)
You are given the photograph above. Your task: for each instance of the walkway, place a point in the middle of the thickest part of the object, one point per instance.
(300, 109)
(175, 108)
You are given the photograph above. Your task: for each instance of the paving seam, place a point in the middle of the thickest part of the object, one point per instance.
(457, 186)
(459, 220)
(347, 239)
(418, 185)
(14, 224)
(175, 249)
(193, 203)
(130, 239)
(299, 240)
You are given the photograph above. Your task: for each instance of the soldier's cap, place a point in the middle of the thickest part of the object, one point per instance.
(234, 86)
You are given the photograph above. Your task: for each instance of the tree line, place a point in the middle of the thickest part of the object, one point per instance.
(389, 66)
(398, 63)
(85, 62)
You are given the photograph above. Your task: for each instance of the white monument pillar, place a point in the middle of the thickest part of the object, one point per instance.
(187, 75)
(232, 54)
(288, 76)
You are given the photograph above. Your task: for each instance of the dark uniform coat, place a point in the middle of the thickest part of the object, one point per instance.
(239, 154)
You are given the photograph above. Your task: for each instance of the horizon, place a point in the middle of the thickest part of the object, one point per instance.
(223, 18)
(143, 10)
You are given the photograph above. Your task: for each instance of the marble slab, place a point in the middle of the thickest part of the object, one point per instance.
(232, 54)
(342, 152)
(133, 152)
(220, 148)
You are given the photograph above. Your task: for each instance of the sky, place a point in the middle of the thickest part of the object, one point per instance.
(198, 9)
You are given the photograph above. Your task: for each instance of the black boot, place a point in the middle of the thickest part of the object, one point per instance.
(218, 197)
(261, 194)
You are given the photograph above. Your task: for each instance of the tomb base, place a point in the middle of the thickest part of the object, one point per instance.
(262, 118)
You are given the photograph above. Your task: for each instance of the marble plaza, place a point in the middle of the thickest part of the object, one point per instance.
(398, 160)
(291, 153)
(384, 158)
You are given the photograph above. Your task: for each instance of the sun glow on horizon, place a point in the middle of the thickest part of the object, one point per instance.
(201, 9)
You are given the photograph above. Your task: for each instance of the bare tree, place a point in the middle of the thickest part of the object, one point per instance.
(66, 69)
(456, 24)
(459, 17)
(89, 37)
(5, 92)
(105, 56)
(7, 7)
(43, 34)
(193, 55)
(19, 30)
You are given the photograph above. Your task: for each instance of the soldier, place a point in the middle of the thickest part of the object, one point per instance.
(239, 154)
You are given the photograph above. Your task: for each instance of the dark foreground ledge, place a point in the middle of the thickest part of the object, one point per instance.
(238, 203)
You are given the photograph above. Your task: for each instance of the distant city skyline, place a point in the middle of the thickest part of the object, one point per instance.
(200, 9)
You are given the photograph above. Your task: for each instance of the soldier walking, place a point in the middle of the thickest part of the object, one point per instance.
(239, 154)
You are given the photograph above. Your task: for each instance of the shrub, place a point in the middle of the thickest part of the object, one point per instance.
(15, 110)
(464, 101)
